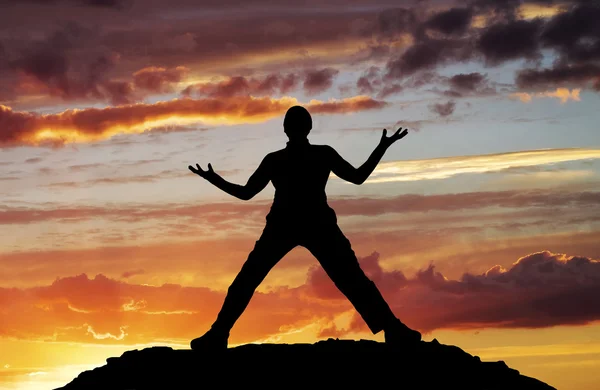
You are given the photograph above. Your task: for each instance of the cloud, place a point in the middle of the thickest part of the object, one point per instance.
(92, 3)
(150, 178)
(158, 79)
(414, 203)
(443, 109)
(353, 104)
(452, 21)
(217, 213)
(88, 62)
(575, 33)
(102, 310)
(52, 73)
(427, 54)
(510, 41)
(107, 335)
(92, 124)
(563, 94)
(128, 274)
(445, 167)
(538, 290)
(397, 20)
(372, 82)
(561, 75)
(535, 291)
(319, 80)
(47, 67)
(467, 82)
(240, 86)
(168, 42)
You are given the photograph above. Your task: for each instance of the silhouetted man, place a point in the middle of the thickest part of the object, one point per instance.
(300, 216)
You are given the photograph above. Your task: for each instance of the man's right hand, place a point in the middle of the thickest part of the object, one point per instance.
(209, 174)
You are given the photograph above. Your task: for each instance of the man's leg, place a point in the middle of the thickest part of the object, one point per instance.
(268, 250)
(333, 250)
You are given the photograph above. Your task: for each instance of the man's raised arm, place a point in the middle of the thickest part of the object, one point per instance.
(345, 171)
(256, 183)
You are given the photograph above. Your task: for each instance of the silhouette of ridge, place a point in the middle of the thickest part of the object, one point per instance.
(364, 363)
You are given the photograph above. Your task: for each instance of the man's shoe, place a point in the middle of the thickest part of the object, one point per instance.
(210, 341)
(401, 335)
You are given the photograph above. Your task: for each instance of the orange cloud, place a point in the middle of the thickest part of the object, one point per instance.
(535, 291)
(563, 94)
(91, 124)
(159, 79)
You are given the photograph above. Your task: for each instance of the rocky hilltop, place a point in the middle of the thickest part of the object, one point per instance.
(325, 364)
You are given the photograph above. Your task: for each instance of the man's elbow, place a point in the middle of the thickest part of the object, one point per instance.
(358, 179)
(354, 179)
(246, 195)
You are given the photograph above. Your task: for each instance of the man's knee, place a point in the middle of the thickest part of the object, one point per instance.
(242, 285)
(251, 274)
(350, 277)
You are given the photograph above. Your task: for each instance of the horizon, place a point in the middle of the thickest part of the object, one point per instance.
(480, 227)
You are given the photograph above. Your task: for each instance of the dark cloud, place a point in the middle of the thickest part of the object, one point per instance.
(97, 58)
(467, 82)
(159, 80)
(537, 291)
(105, 3)
(499, 10)
(317, 81)
(560, 76)
(93, 3)
(398, 20)
(452, 21)
(49, 66)
(389, 90)
(243, 86)
(364, 85)
(510, 41)
(372, 83)
(443, 109)
(428, 54)
(369, 81)
(575, 33)
(119, 92)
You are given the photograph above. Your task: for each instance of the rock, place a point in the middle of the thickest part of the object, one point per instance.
(367, 364)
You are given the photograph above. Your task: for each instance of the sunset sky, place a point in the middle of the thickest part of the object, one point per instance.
(481, 227)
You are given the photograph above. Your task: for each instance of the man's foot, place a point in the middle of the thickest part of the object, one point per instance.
(210, 341)
(401, 335)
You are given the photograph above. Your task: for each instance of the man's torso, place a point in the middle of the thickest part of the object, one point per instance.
(299, 175)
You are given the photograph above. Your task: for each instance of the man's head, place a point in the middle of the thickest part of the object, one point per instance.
(297, 123)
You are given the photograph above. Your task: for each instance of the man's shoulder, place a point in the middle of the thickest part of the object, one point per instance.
(323, 148)
(275, 154)
(281, 153)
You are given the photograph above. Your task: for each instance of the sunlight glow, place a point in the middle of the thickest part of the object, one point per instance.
(441, 168)
(563, 94)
